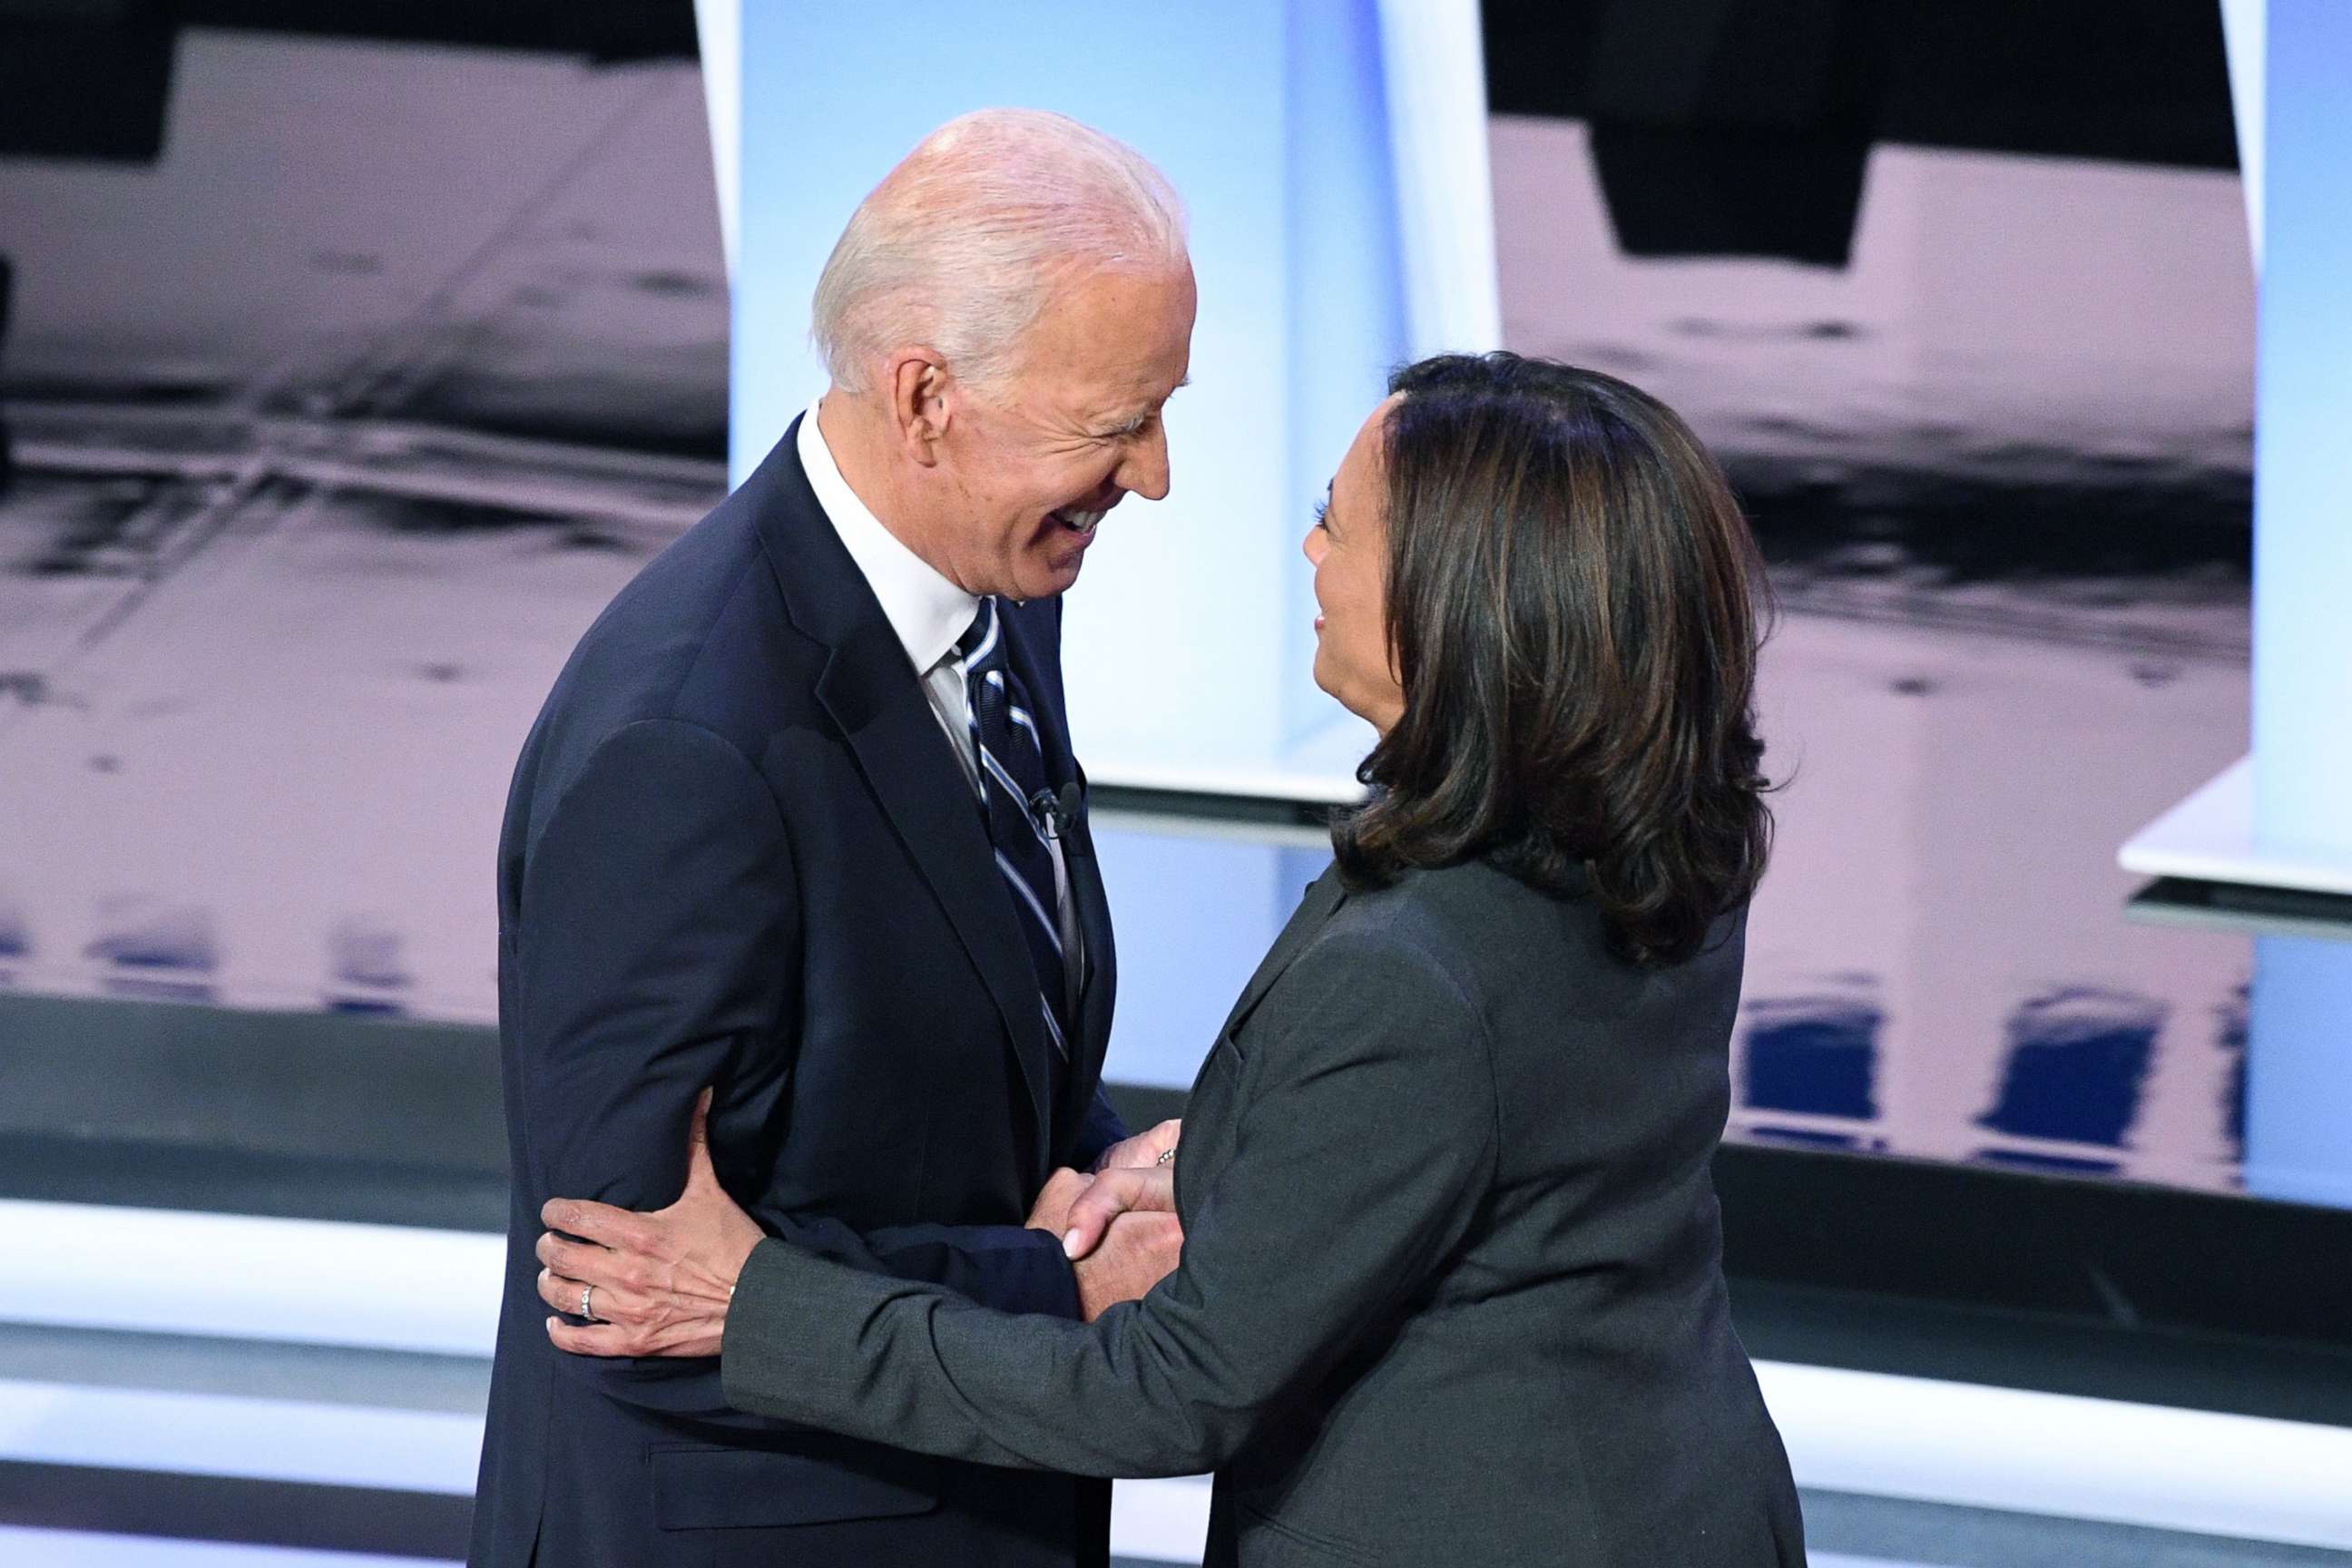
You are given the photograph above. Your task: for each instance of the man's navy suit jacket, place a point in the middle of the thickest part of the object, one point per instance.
(740, 852)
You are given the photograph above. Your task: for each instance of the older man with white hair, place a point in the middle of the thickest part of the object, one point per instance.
(800, 824)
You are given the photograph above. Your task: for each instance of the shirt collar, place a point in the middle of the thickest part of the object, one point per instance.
(927, 611)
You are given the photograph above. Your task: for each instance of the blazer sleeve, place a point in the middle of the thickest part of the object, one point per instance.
(651, 922)
(1101, 1129)
(1366, 1139)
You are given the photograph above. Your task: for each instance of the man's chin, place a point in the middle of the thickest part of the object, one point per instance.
(1045, 579)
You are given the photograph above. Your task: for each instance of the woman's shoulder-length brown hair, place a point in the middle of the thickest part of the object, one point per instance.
(1572, 608)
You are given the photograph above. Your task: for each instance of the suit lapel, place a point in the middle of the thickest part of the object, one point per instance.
(877, 703)
(1099, 985)
(1091, 1034)
(1323, 897)
(905, 760)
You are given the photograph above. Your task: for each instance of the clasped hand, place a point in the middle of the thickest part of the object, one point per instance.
(1118, 1223)
(658, 1284)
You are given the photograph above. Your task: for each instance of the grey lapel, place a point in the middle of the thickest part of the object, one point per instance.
(1323, 897)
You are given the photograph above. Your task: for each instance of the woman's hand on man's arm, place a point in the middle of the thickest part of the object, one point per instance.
(654, 1284)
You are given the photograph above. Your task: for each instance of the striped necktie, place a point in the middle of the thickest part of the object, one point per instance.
(1013, 774)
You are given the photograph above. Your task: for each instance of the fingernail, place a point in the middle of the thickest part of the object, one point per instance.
(1069, 1244)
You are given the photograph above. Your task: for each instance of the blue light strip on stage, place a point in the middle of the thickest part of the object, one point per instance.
(2299, 168)
(1434, 53)
(2298, 1070)
(2302, 454)
(2278, 818)
(1343, 303)
(718, 36)
(2243, 23)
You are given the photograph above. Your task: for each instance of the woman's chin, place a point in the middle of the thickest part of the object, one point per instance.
(1336, 690)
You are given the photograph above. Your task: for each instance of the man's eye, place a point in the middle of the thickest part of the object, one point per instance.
(1320, 508)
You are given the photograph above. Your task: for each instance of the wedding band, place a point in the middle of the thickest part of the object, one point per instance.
(1167, 1159)
(586, 1291)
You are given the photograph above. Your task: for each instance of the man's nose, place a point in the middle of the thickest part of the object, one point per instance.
(1312, 547)
(1145, 471)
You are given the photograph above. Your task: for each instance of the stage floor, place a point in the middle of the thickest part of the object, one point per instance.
(134, 1450)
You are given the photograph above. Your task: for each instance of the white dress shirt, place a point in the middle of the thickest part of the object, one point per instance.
(929, 613)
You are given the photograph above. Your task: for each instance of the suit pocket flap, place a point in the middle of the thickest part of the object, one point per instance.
(701, 1487)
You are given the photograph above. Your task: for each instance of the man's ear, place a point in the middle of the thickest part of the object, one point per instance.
(919, 380)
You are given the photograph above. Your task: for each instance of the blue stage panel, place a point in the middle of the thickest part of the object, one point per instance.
(2302, 457)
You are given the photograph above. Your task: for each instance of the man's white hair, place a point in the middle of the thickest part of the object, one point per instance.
(960, 247)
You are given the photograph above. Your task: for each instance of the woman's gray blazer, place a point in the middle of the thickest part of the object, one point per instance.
(1451, 1289)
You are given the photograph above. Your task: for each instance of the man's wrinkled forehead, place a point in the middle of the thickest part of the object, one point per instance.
(1112, 361)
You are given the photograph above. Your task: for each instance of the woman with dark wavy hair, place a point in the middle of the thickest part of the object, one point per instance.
(1452, 1285)
(1568, 600)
